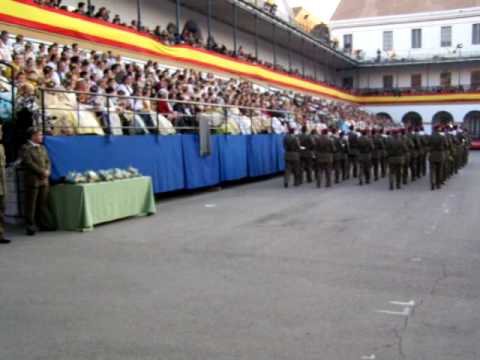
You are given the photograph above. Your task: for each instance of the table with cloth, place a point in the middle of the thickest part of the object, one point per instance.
(78, 207)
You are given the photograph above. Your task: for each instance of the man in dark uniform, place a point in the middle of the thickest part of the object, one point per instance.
(406, 156)
(365, 149)
(424, 150)
(378, 153)
(438, 146)
(337, 155)
(413, 151)
(37, 168)
(448, 165)
(291, 145)
(353, 146)
(396, 150)
(3, 191)
(383, 157)
(345, 151)
(324, 149)
(306, 154)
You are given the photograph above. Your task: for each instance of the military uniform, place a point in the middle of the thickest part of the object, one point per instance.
(344, 162)
(378, 155)
(337, 158)
(37, 167)
(424, 141)
(324, 150)
(406, 157)
(291, 145)
(438, 146)
(353, 155)
(396, 150)
(307, 142)
(365, 149)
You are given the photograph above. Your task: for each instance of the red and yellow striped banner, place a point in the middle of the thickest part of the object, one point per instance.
(27, 14)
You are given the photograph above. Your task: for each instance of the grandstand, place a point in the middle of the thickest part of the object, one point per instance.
(79, 69)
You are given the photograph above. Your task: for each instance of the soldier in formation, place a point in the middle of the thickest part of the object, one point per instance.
(402, 153)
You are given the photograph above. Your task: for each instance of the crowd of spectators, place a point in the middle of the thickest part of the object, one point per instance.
(169, 100)
(190, 34)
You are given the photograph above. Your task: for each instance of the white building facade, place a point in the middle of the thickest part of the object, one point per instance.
(412, 46)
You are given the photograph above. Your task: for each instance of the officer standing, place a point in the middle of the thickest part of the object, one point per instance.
(3, 191)
(37, 172)
(438, 146)
(365, 149)
(324, 149)
(306, 154)
(395, 155)
(291, 145)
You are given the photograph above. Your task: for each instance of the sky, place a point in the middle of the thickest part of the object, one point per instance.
(323, 9)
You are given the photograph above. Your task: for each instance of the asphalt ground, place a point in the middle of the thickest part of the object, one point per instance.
(257, 272)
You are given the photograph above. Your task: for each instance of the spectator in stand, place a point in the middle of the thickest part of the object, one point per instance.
(81, 9)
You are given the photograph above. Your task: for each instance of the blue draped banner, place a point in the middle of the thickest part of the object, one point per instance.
(200, 171)
(160, 157)
(173, 162)
(233, 157)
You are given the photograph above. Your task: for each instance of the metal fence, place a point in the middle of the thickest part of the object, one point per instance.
(117, 114)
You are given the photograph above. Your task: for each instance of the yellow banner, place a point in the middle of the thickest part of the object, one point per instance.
(27, 14)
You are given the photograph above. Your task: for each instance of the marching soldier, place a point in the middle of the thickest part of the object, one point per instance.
(383, 155)
(324, 149)
(396, 150)
(424, 150)
(353, 147)
(337, 156)
(448, 166)
(306, 154)
(438, 146)
(406, 156)
(3, 191)
(413, 151)
(37, 172)
(292, 148)
(345, 150)
(365, 149)
(378, 154)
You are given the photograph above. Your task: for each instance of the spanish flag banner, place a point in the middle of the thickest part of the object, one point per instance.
(27, 14)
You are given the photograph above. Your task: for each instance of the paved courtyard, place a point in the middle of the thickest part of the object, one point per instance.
(257, 272)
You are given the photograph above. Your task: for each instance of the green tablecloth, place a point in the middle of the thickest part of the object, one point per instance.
(80, 207)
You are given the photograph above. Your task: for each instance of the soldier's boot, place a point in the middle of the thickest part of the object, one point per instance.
(328, 176)
(337, 173)
(319, 178)
(375, 171)
(360, 177)
(309, 175)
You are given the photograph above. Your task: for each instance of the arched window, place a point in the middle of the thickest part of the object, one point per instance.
(412, 119)
(384, 115)
(442, 117)
(471, 122)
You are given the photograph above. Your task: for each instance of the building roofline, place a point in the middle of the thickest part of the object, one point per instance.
(405, 18)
